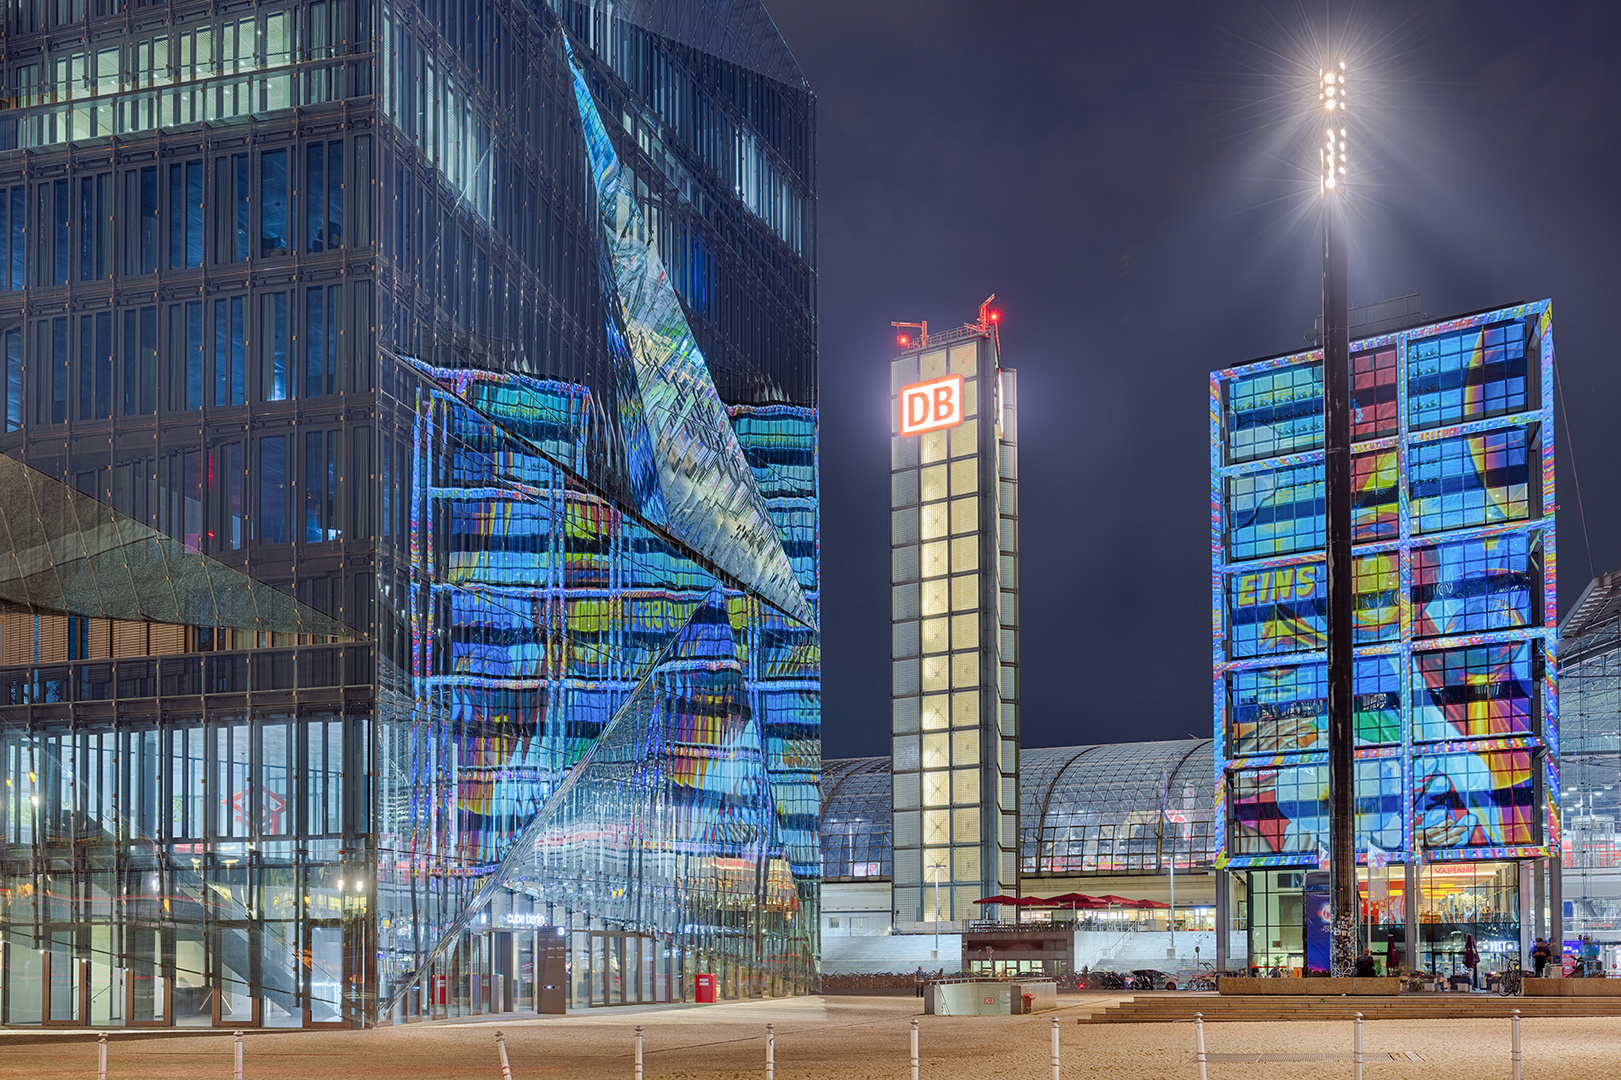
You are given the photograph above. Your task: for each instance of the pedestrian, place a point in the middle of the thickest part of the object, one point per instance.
(1540, 954)
(920, 980)
(1471, 959)
(1364, 966)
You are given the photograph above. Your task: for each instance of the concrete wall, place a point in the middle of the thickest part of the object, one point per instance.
(900, 953)
(855, 909)
(1143, 949)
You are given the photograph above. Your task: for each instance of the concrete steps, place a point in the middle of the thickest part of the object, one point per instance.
(1166, 1008)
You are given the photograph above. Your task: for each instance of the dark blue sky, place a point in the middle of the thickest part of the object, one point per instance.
(1136, 181)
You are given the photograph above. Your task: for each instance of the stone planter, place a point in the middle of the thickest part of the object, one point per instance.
(1572, 987)
(1315, 987)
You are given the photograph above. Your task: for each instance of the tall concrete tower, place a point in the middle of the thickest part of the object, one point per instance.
(954, 696)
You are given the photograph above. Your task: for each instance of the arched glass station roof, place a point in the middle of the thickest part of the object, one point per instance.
(1119, 808)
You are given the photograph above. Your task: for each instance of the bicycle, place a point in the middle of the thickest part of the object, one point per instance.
(1510, 981)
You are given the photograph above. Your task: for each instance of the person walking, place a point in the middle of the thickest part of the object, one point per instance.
(1540, 954)
(919, 980)
(1471, 959)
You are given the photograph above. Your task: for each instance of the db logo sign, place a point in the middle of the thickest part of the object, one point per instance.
(930, 406)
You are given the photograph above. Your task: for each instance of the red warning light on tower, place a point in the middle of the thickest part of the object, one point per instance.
(932, 405)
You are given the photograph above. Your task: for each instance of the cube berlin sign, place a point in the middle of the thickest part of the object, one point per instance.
(932, 405)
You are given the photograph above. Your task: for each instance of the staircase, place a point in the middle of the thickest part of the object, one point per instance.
(1174, 1007)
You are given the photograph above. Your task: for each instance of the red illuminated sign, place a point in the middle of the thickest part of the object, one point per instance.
(932, 405)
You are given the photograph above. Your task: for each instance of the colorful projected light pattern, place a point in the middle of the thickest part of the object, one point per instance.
(610, 714)
(541, 612)
(1454, 619)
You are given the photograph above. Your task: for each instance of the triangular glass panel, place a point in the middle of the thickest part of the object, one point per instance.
(709, 492)
(65, 551)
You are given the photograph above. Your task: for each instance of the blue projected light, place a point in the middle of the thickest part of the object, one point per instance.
(1453, 618)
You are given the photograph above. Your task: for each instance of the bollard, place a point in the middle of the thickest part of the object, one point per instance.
(1198, 1044)
(1514, 1022)
(1055, 1048)
(101, 1068)
(770, 1051)
(914, 1050)
(238, 1073)
(638, 1052)
(501, 1045)
(1356, 1047)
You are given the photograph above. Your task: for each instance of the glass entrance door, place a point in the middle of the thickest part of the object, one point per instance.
(325, 993)
(623, 968)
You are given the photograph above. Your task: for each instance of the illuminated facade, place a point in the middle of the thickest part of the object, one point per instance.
(1455, 623)
(954, 625)
(409, 463)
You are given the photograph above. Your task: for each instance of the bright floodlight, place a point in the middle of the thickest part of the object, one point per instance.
(1331, 156)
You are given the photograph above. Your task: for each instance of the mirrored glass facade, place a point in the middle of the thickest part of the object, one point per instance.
(409, 463)
(1590, 771)
(1455, 607)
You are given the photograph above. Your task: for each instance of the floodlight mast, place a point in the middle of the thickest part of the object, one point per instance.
(1337, 506)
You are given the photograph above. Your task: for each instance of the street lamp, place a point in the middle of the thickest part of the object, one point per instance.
(937, 867)
(1337, 505)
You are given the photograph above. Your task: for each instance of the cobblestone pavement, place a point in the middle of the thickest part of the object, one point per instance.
(835, 1038)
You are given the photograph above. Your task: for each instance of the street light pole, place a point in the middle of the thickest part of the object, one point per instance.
(937, 867)
(1337, 506)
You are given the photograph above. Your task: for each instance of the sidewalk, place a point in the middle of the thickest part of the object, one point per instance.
(830, 1039)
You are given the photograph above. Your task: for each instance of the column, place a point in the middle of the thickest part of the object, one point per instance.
(1223, 922)
(1410, 958)
(1556, 914)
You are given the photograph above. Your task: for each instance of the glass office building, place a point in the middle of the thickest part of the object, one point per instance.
(1456, 635)
(1590, 773)
(409, 468)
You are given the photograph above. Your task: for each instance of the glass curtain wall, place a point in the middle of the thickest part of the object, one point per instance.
(375, 502)
(1455, 709)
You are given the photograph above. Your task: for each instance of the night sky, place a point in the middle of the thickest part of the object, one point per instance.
(1136, 181)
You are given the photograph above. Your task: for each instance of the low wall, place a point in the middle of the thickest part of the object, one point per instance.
(1044, 995)
(1124, 950)
(969, 999)
(1572, 987)
(1230, 984)
(898, 953)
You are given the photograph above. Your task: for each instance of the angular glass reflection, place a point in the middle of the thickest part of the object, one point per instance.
(708, 488)
(68, 552)
(668, 817)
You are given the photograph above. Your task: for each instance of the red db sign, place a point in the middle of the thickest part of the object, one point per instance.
(930, 406)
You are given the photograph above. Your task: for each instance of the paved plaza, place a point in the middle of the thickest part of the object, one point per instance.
(836, 1038)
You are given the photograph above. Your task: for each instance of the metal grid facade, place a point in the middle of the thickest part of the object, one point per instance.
(1083, 810)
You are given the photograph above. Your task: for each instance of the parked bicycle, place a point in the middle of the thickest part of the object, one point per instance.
(1510, 981)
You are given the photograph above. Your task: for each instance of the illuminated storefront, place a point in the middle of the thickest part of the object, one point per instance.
(410, 604)
(1453, 517)
(954, 622)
